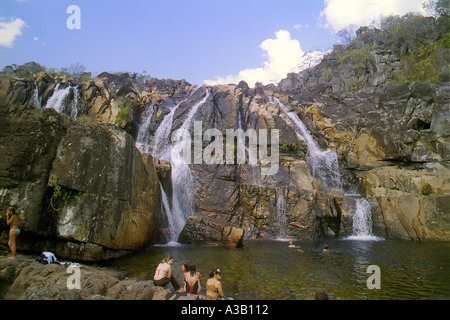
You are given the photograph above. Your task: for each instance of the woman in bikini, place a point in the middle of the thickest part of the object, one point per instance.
(12, 219)
(214, 289)
(191, 278)
(163, 274)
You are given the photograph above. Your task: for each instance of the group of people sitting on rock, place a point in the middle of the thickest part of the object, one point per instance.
(191, 279)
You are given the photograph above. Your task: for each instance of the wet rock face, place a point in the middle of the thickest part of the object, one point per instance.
(207, 230)
(410, 204)
(372, 125)
(82, 188)
(119, 197)
(28, 140)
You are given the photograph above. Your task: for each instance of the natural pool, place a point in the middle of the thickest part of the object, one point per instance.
(269, 270)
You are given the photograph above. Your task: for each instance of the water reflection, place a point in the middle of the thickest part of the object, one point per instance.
(270, 270)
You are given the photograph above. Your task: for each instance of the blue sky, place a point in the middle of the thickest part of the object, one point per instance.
(194, 40)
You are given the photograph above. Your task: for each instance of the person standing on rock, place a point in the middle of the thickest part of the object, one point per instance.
(163, 274)
(12, 219)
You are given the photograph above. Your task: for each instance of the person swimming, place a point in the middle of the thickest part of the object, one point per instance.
(292, 246)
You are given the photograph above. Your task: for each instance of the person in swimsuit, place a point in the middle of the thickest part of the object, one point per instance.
(214, 289)
(12, 219)
(163, 274)
(191, 279)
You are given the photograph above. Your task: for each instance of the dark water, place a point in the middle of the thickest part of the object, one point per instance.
(269, 270)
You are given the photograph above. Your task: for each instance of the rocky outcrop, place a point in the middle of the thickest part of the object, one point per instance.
(119, 195)
(121, 100)
(82, 188)
(410, 204)
(28, 140)
(391, 135)
(240, 196)
(388, 125)
(26, 279)
(210, 231)
(391, 132)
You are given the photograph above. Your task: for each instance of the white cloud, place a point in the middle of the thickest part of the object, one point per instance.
(284, 55)
(9, 31)
(342, 13)
(301, 26)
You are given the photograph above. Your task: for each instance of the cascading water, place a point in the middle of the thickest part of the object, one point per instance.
(280, 217)
(362, 222)
(65, 100)
(143, 137)
(324, 164)
(35, 98)
(182, 182)
(161, 138)
(166, 207)
(170, 149)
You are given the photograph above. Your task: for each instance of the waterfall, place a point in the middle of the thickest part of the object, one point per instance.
(142, 140)
(362, 222)
(324, 164)
(35, 98)
(165, 206)
(280, 221)
(182, 182)
(65, 100)
(170, 149)
(161, 138)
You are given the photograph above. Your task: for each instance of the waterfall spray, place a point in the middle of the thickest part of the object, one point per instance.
(65, 100)
(324, 164)
(170, 149)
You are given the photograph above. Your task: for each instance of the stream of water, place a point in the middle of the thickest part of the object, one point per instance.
(170, 148)
(323, 164)
(63, 100)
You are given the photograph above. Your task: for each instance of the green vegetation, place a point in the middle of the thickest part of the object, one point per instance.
(358, 58)
(288, 147)
(420, 43)
(63, 194)
(425, 64)
(124, 115)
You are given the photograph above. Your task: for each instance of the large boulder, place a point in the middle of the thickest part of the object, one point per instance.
(83, 189)
(117, 196)
(207, 230)
(410, 204)
(29, 139)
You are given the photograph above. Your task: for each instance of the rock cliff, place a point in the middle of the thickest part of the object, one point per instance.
(83, 186)
(382, 102)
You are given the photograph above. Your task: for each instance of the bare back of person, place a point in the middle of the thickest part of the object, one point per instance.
(193, 282)
(162, 271)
